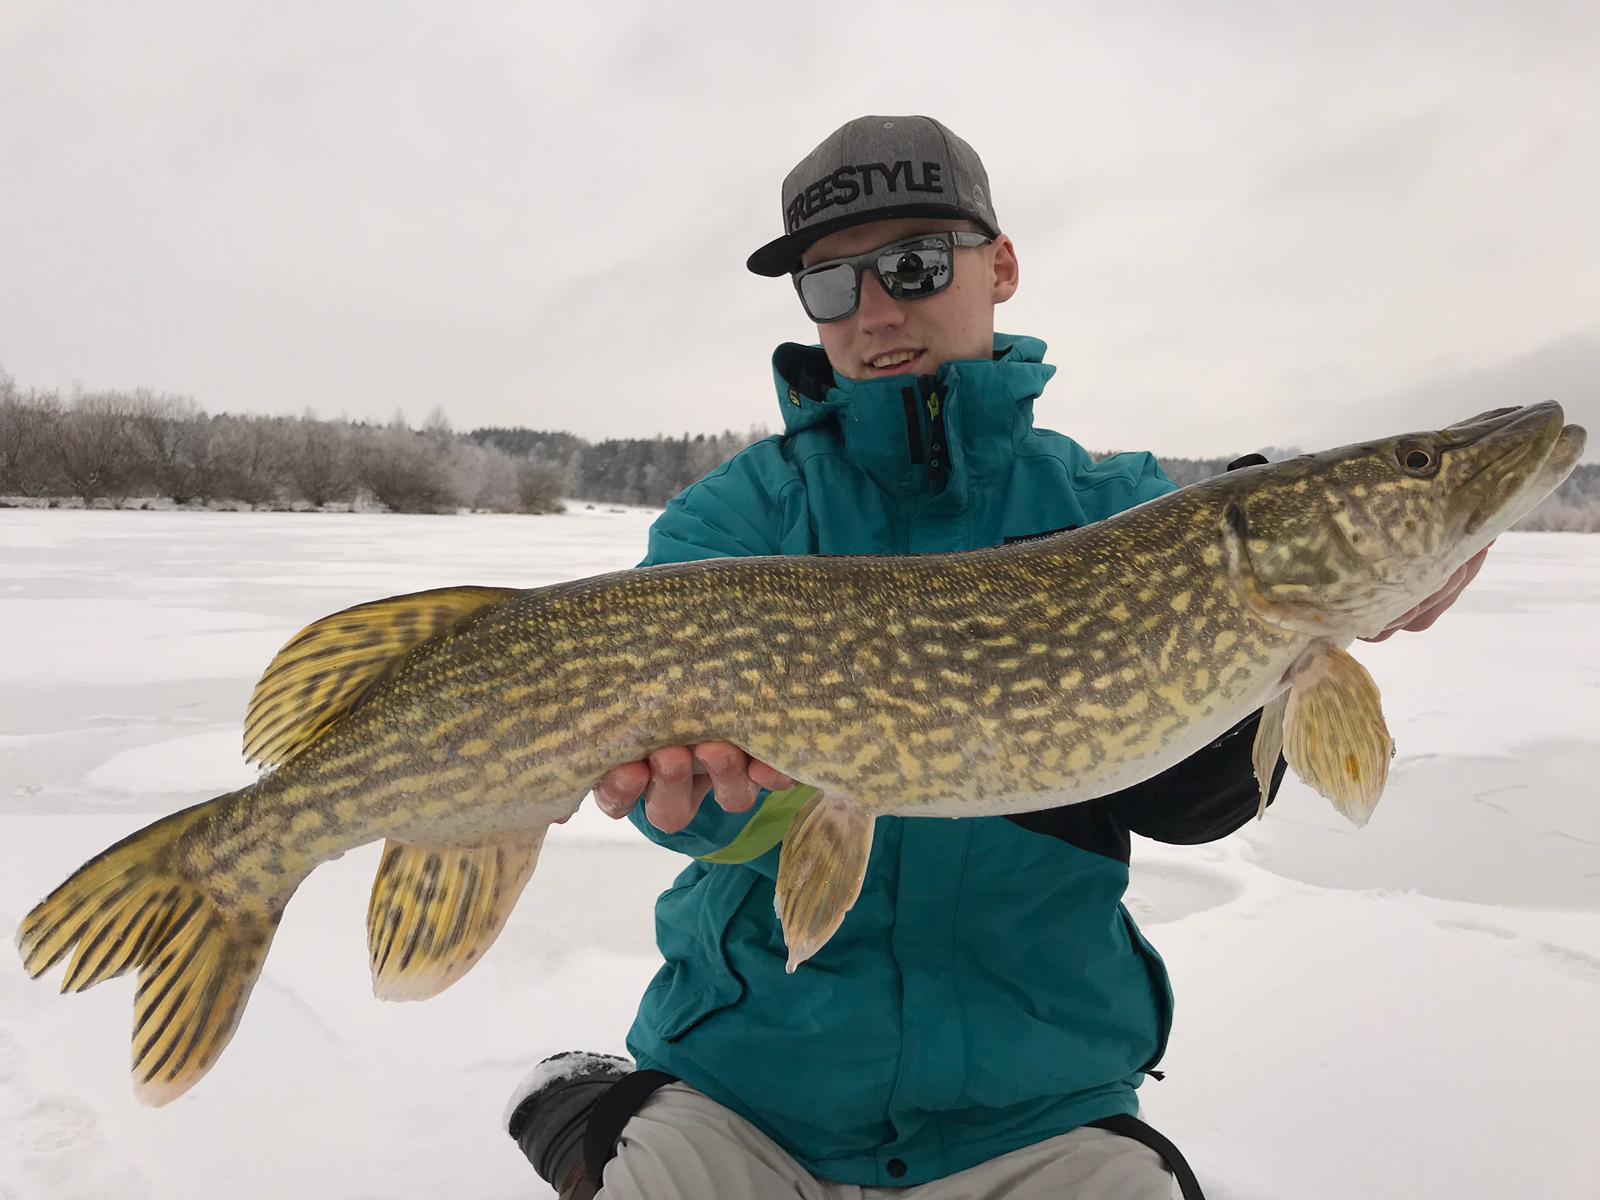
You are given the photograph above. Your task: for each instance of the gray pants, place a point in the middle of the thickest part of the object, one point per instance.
(684, 1146)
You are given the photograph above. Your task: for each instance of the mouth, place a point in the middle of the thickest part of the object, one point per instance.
(903, 361)
(1513, 447)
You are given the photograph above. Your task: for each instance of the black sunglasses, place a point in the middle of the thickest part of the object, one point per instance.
(909, 270)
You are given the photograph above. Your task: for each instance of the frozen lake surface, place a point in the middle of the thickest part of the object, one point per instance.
(1407, 1010)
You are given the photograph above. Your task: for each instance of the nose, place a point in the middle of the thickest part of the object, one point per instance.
(877, 310)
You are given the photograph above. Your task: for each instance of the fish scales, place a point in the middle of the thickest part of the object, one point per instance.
(459, 724)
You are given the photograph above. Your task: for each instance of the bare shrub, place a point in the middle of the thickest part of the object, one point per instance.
(252, 455)
(319, 469)
(92, 450)
(403, 471)
(26, 432)
(540, 488)
(174, 438)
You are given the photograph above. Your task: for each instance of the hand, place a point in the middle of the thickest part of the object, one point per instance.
(1430, 610)
(675, 780)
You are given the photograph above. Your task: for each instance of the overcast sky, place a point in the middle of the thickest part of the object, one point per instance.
(1239, 224)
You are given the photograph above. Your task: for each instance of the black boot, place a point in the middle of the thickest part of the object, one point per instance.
(550, 1110)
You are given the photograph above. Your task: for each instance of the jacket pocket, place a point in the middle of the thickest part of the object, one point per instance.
(692, 920)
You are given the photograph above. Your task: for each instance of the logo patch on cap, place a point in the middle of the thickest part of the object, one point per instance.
(850, 183)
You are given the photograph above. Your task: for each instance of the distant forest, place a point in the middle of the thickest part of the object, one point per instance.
(138, 448)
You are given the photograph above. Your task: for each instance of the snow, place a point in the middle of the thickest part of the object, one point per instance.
(1406, 1010)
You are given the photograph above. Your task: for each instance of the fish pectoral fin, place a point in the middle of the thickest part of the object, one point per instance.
(820, 869)
(1268, 746)
(436, 910)
(135, 906)
(1334, 733)
(327, 667)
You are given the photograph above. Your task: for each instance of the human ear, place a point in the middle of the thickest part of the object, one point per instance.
(1004, 274)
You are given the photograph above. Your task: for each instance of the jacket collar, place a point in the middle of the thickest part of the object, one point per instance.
(983, 405)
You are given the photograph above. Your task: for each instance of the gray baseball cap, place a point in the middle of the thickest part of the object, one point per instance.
(871, 169)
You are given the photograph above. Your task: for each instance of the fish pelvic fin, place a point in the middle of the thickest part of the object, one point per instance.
(820, 869)
(1268, 746)
(326, 668)
(136, 906)
(1334, 733)
(436, 910)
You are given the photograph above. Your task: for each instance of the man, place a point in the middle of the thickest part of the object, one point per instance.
(981, 1021)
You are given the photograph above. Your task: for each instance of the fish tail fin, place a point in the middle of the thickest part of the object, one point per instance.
(138, 906)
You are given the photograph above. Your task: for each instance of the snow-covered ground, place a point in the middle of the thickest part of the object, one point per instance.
(1411, 1010)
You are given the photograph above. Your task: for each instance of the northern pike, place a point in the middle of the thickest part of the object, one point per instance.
(459, 724)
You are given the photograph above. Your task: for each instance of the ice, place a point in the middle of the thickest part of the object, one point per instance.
(1405, 1010)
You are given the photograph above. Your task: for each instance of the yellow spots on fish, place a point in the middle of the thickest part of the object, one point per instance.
(1202, 680)
(1032, 737)
(1031, 713)
(957, 678)
(845, 703)
(1168, 648)
(945, 764)
(830, 679)
(1050, 755)
(1038, 648)
(1211, 556)
(1224, 641)
(475, 747)
(1180, 602)
(895, 629)
(1101, 682)
(495, 771)
(990, 695)
(1118, 611)
(810, 714)
(971, 654)
(935, 649)
(1033, 683)
(1069, 680)
(1080, 758)
(751, 676)
(307, 821)
(1097, 655)
(1003, 642)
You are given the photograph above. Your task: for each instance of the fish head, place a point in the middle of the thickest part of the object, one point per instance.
(1340, 543)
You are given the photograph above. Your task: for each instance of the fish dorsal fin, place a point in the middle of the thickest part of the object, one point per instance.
(436, 909)
(330, 664)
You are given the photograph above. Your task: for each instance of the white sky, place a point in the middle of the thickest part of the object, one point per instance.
(1239, 225)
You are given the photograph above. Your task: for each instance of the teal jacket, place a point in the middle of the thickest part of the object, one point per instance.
(989, 989)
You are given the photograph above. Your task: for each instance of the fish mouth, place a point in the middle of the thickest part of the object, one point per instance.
(1511, 469)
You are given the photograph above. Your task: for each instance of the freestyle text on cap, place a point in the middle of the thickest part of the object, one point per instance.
(872, 169)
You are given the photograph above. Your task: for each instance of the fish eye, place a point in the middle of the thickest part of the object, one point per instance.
(1417, 460)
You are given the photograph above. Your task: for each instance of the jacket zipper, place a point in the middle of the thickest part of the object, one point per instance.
(925, 407)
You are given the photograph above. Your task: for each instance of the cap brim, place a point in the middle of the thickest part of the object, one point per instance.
(782, 255)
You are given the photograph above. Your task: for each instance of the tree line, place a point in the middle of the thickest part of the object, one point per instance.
(113, 447)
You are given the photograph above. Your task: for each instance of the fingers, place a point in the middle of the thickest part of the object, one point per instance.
(670, 800)
(770, 778)
(675, 780)
(728, 767)
(619, 788)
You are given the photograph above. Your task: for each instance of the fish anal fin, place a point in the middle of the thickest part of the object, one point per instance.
(435, 910)
(820, 869)
(1335, 737)
(325, 669)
